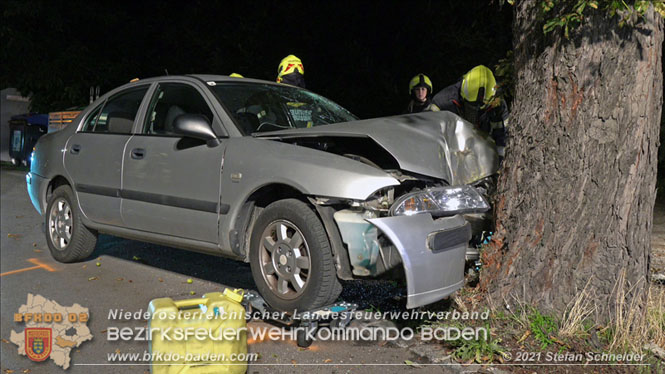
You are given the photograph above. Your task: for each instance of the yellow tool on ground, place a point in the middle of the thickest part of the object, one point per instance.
(197, 336)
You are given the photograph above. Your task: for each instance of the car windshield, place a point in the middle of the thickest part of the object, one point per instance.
(265, 107)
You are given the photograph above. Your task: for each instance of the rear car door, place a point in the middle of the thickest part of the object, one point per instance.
(93, 155)
(171, 183)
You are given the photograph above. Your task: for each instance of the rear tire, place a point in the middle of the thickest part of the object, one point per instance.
(291, 259)
(67, 238)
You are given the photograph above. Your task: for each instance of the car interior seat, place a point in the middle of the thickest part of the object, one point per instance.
(173, 112)
(120, 122)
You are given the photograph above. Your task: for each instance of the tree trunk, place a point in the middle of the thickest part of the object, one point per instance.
(577, 188)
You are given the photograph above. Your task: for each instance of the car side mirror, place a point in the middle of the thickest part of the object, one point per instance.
(195, 126)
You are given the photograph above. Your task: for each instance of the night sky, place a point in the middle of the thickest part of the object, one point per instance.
(360, 54)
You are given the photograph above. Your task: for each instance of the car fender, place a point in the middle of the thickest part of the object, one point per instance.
(48, 164)
(250, 164)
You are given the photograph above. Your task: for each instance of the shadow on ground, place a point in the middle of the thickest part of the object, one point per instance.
(228, 272)
(376, 295)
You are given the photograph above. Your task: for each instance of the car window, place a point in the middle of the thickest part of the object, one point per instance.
(91, 121)
(263, 107)
(118, 113)
(169, 101)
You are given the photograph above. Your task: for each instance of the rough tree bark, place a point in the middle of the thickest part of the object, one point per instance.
(577, 188)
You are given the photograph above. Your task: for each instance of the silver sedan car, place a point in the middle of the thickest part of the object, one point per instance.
(269, 174)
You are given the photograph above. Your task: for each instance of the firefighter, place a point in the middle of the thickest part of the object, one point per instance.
(420, 89)
(291, 71)
(474, 97)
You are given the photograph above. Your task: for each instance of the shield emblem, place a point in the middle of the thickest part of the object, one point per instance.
(38, 343)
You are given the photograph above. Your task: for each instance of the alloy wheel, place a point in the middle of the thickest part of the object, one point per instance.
(285, 259)
(60, 224)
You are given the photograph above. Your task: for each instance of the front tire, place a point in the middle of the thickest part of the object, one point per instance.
(291, 259)
(67, 238)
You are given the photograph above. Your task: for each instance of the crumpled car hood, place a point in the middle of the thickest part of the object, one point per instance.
(436, 144)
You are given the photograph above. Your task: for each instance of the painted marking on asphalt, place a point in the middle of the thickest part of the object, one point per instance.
(38, 265)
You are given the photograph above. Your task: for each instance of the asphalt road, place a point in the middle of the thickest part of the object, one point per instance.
(133, 273)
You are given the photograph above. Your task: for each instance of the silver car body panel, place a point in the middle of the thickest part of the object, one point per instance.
(251, 164)
(48, 164)
(436, 144)
(430, 274)
(36, 190)
(97, 187)
(163, 193)
(312, 172)
(168, 240)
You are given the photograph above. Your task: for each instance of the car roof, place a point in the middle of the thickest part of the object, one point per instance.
(198, 77)
(190, 77)
(224, 78)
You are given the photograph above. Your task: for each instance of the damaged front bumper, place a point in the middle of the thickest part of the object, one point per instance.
(432, 253)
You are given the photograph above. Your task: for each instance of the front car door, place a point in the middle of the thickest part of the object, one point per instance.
(93, 155)
(171, 184)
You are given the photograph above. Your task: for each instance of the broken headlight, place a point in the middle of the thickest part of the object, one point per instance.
(442, 201)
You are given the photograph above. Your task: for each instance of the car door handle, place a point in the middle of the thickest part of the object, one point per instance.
(75, 149)
(138, 153)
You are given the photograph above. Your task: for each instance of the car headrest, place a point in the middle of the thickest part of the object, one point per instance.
(120, 122)
(173, 112)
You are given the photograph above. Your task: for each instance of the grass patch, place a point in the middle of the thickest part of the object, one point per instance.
(575, 322)
(483, 348)
(656, 315)
(542, 328)
(479, 350)
(636, 325)
(630, 329)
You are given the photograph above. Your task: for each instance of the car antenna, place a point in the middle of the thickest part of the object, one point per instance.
(166, 71)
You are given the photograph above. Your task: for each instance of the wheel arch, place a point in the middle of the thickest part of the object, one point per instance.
(54, 183)
(269, 193)
(265, 195)
(250, 209)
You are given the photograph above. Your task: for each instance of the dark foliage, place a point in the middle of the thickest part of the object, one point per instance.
(360, 54)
